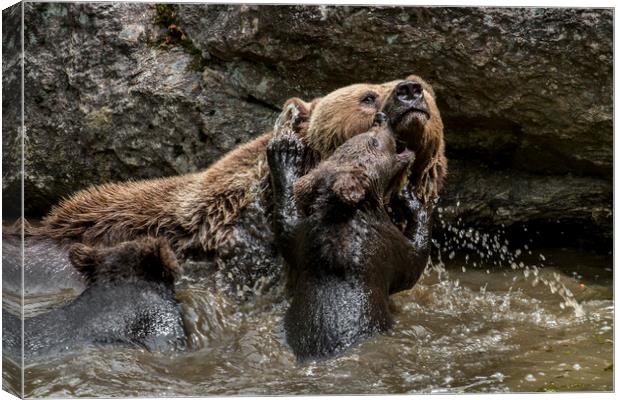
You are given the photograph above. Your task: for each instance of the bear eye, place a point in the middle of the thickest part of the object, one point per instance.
(374, 142)
(369, 99)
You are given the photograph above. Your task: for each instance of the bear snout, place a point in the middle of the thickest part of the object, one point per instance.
(380, 119)
(408, 92)
(406, 98)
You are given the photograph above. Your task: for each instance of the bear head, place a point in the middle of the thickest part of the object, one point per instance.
(327, 122)
(147, 259)
(368, 167)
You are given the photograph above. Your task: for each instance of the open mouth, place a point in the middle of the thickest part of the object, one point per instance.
(405, 155)
(401, 147)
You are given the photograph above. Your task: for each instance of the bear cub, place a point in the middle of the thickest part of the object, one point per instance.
(345, 254)
(129, 299)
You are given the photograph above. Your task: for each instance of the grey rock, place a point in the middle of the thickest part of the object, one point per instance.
(128, 91)
(11, 108)
(538, 77)
(480, 196)
(106, 101)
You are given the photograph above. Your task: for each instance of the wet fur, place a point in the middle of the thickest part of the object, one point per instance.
(345, 254)
(209, 213)
(129, 299)
(194, 211)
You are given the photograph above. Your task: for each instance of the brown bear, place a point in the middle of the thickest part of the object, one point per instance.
(345, 252)
(129, 299)
(221, 214)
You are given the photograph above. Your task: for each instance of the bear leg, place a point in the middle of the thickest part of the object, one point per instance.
(287, 157)
(418, 217)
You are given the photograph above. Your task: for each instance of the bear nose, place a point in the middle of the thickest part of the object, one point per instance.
(408, 91)
(380, 119)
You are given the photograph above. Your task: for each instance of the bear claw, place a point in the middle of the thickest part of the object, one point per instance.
(286, 152)
(286, 149)
(286, 155)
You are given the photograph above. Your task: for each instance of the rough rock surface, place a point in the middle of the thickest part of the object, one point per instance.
(11, 108)
(120, 91)
(108, 100)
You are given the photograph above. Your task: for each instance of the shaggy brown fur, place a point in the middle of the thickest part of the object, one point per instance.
(198, 211)
(194, 210)
(340, 115)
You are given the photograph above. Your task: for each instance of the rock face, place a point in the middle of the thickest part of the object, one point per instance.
(11, 108)
(120, 91)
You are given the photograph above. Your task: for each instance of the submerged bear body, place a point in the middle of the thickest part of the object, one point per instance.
(129, 300)
(340, 294)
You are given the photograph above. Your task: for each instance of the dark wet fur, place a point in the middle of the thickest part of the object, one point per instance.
(129, 300)
(346, 255)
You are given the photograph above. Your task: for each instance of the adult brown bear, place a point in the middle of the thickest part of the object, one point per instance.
(222, 212)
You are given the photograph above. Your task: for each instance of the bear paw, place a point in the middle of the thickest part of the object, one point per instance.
(412, 208)
(287, 158)
(409, 199)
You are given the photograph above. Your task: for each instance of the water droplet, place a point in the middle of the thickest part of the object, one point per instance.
(499, 376)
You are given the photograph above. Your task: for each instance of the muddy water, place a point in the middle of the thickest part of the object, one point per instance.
(542, 326)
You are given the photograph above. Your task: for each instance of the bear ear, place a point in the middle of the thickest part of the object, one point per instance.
(351, 185)
(296, 114)
(85, 259)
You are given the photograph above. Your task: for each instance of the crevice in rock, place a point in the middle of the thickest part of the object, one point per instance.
(494, 141)
(253, 100)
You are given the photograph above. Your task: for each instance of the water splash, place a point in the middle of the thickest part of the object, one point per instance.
(493, 251)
